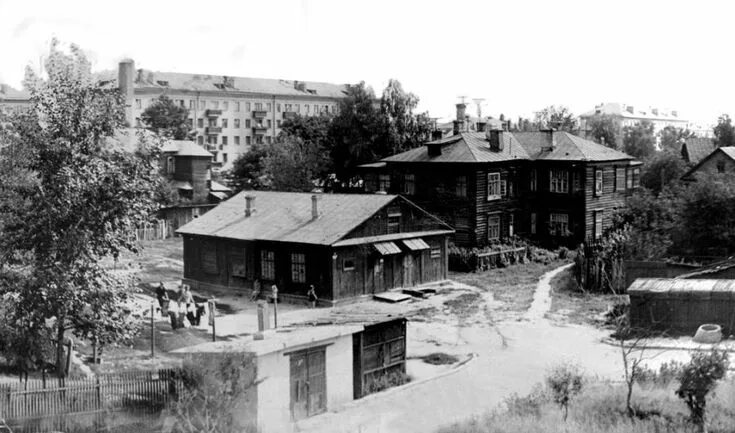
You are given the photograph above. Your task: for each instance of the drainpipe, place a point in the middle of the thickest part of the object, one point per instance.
(273, 98)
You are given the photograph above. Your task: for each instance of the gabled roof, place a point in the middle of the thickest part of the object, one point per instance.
(473, 147)
(287, 217)
(147, 79)
(696, 149)
(728, 151)
(185, 148)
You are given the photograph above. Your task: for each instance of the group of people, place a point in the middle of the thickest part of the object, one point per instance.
(310, 294)
(185, 303)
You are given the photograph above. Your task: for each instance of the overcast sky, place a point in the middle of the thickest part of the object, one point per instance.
(519, 55)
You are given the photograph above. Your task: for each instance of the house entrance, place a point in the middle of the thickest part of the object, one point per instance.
(308, 383)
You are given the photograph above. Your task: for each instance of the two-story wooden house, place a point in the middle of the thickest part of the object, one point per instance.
(720, 161)
(189, 167)
(346, 245)
(549, 186)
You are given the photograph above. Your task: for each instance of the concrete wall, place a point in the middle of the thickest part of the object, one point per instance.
(274, 393)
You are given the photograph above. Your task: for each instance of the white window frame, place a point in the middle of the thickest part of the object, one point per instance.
(409, 184)
(559, 224)
(598, 182)
(597, 227)
(559, 181)
(493, 186)
(493, 227)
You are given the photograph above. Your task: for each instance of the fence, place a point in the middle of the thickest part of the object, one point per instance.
(37, 398)
(158, 230)
(472, 260)
(600, 268)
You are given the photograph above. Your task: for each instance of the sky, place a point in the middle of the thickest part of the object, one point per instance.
(518, 55)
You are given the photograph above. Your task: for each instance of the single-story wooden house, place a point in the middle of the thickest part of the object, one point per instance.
(304, 371)
(682, 305)
(346, 245)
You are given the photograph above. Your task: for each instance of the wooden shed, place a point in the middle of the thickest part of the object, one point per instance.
(682, 305)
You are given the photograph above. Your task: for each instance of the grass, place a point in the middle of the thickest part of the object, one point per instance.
(570, 305)
(601, 409)
(513, 286)
(439, 358)
(464, 305)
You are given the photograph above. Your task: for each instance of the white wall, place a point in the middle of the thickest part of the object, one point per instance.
(274, 393)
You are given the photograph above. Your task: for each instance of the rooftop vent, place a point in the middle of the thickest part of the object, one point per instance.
(249, 205)
(495, 138)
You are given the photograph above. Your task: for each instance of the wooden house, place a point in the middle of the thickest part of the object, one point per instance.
(720, 162)
(549, 186)
(346, 245)
(695, 149)
(189, 167)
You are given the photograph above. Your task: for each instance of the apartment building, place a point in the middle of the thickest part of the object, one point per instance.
(229, 114)
(12, 100)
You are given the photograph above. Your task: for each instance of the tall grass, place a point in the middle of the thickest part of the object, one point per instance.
(600, 408)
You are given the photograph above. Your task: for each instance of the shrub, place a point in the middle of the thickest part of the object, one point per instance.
(563, 253)
(530, 404)
(698, 378)
(564, 382)
(387, 380)
(665, 375)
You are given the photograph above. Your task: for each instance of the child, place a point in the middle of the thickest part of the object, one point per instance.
(256, 291)
(311, 294)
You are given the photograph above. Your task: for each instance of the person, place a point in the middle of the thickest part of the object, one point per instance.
(185, 298)
(311, 294)
(162, 296)
(256, 291)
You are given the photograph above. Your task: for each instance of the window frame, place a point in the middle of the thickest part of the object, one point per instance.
(384, 182)
(267, 265)
(559, 181)
(298, 268)
(460, 186)
(620, 180)
(409, 184)
(493, 186)
(493, 229)
(597, 223)
(555, 227)
(599, 182)
(533, 185)
(346, 267)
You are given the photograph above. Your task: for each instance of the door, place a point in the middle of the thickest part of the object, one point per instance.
(407, 270)
(377, 274)
(308, 383)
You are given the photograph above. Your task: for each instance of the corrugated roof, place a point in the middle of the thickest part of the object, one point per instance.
(673, 285)
(697, 148)
(185, 148)
(286, 217)
(472, 147)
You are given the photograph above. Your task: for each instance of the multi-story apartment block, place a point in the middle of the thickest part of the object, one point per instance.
(229, 114)
(12, 99)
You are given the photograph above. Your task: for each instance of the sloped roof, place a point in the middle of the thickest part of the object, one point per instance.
(145, 78)
(697, 148)
(621, 110)
(710, 269)
(728, 151)
(668, 285)
(473, 147)
(185, 148)
(286, 217)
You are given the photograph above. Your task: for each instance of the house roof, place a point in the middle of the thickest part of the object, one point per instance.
(701, 287)
(185, 148)
(622, 110)
(710, 269)
(697, 148)
(473, 147)
(147, 79)
(728, 151)
(287, 217)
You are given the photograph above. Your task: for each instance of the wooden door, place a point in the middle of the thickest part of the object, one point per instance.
(308, 383)
(407, 270)
(378, 271)
(397, 275)
(418, 267)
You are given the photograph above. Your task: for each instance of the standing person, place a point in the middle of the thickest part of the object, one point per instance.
(186, 298)
(256, 291)
(163, 300)
(311, 294)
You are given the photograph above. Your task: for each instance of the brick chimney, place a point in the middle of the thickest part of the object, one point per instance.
(481, 126)
(549, 138)
(314, 207)
(249, 205)
(459, 122)
(125, 74)
(495, 139)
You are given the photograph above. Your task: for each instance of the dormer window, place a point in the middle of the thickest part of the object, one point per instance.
(162, 83)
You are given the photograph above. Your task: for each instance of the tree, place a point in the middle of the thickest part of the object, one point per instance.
(559, 118)
(564, 383)
(724, 132)
(403, 129)
(248, 170)
(647, 222)
(697, 379)
(638, 140)
(662, 169)
(295, 165)
(604, 129)
(672, 138)
(88, 197)
(164, 117)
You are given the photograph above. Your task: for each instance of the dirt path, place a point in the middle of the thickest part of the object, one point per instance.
(542, 297)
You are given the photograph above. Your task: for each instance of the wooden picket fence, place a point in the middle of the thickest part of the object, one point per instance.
(137, 392)
(158, 230)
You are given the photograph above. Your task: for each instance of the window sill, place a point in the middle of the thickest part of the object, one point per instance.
(493, 197)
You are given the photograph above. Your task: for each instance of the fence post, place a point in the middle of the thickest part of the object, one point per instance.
(153, 333)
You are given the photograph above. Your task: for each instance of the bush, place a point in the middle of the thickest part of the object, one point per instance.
(527, 405)
(564, 382)
(387, 380)
(698, 378)
(563, 253)
(664, 376)
(463, 259)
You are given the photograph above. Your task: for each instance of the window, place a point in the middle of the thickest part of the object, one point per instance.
(533, 182)
(267, 265)
(298, 108)
(597, 229)
(237, 123)
(225, 105)
(247, 123)
(258, 106)
(629, 179)
(202, 105)
(224, 140)
(306, 107)
(200, 139)
(181, 102)
(192, 104)
(237, 140)
(298, 268)
(493, 186)
(559, 181)
(394, 221)
(190, 123)
(247, 140)
(268, 140)
(287, 108)
(636, 177)
(348, 264)
(533, 223)
(619, 178)
(170, 165)
(212, 139)
(503, 188)
(212, 121)
(137, 122)
(214, 104)
(409, 184)
(384, 182)
(247, 106)
(598, 183)
(493, 227)
(270, 123)
(268, 106)
(436, 253)
(278, 108)
(138, 104)
(258, 139)
(224, 157)
(559, 224)
(278, 123)
(209, 257)
(237, 106)
(511, 220)
(224, 123)
(576, 181)
(461, 186)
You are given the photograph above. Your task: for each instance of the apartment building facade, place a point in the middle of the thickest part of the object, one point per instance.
(229, 114)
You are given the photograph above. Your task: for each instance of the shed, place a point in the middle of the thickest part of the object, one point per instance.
(682, 305)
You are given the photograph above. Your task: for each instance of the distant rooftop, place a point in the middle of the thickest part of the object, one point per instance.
(633, 112)
(8, 93)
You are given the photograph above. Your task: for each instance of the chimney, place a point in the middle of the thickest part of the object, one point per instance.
(461, 108)
(481, 126)
(459, 122)
(549, 138)
(249, 205)
(630, 109)
(126, 69)
(314, 207)
(436, 135)
(434, 149)
(654, 111)
(495, 138)
(674, 113)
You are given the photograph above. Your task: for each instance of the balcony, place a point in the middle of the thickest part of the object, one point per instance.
(289, 114)
(259, 114)
(214, 113)
(213, 130)
(260, 129)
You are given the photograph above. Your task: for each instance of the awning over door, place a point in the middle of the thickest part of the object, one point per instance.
(387, 248)
(416, 244)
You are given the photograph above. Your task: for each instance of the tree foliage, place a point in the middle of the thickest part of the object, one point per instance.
(87, 196)
(672, 138)
(639, 140)
(248, 170)
(662, 169)
(724, 132)
(604, 129)
(698, 378)
(295, 164)
(557, 117)
(166, 118)
(564, 383)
